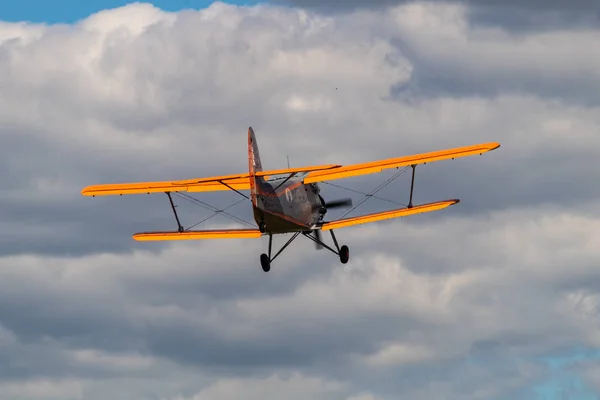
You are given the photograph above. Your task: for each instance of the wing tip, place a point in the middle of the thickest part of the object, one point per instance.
(87, 191)
(442, 203)
(446, 203)
(491, 146)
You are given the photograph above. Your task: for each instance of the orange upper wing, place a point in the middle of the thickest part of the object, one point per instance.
(380, 165)
(238, 182)
(380, 216)
(211, 184)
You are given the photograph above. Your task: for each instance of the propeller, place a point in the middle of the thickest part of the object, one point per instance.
(323, 207)
(317, 233)
(339, 203)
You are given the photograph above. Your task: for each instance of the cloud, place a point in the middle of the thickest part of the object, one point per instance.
(462, 303)
(379, 317)
(295, 386)
(519, 17)
(537, 5)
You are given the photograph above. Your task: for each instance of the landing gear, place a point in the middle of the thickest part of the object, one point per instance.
(342, 252)
(266, 259)
(262, 226)
(265, 262)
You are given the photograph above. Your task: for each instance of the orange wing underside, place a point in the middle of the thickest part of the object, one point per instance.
(378, 166)
(380, 216)
(199, 235)
(255, 233)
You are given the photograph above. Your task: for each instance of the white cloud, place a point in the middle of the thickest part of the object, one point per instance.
(316, 103)
(43, 388)
(94, 357)
(400, 354)
(454, 304)
(294, 387)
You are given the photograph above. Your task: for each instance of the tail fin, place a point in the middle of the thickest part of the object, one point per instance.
(254, 164)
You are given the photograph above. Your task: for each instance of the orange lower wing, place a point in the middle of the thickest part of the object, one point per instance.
(199, 235)
(397, 213)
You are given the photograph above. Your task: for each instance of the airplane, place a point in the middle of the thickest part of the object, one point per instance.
(288, 200)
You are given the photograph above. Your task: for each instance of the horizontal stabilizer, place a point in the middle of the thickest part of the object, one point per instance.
(380, 165)
(397, 213)
(199, 235)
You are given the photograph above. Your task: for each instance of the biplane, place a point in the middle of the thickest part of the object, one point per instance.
(288, 201)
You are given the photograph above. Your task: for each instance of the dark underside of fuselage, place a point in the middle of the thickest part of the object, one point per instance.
(286, 208)
(278, 224)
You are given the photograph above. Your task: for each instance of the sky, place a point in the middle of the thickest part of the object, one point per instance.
(70, 11)
(496, 297)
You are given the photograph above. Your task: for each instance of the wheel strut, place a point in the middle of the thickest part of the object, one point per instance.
(320, 242)
(342, 252)
(266, 260)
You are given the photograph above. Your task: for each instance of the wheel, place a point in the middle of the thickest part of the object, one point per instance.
(265, 262)
(344, 254)
(262, 227)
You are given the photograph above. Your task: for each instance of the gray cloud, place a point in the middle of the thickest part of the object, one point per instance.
(496, 5)
(519, 17)
(462, 303)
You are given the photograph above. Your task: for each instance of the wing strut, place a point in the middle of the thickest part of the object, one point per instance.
(412, 185)
(179, 227)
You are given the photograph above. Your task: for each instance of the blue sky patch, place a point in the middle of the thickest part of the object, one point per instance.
(564, 380)
(68, 11)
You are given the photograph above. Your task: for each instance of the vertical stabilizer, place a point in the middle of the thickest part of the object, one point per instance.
(254, 164)
(253, 155)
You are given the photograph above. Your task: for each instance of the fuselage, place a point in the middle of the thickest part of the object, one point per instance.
(288, 206)
(281, 204)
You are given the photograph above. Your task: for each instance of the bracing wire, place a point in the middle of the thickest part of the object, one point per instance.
(217, 213)
(216, 210)
(366, 194)
(377, 189)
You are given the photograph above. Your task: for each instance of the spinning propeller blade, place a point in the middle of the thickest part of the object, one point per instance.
(339, 203)
(347, 202)
(318, 237)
